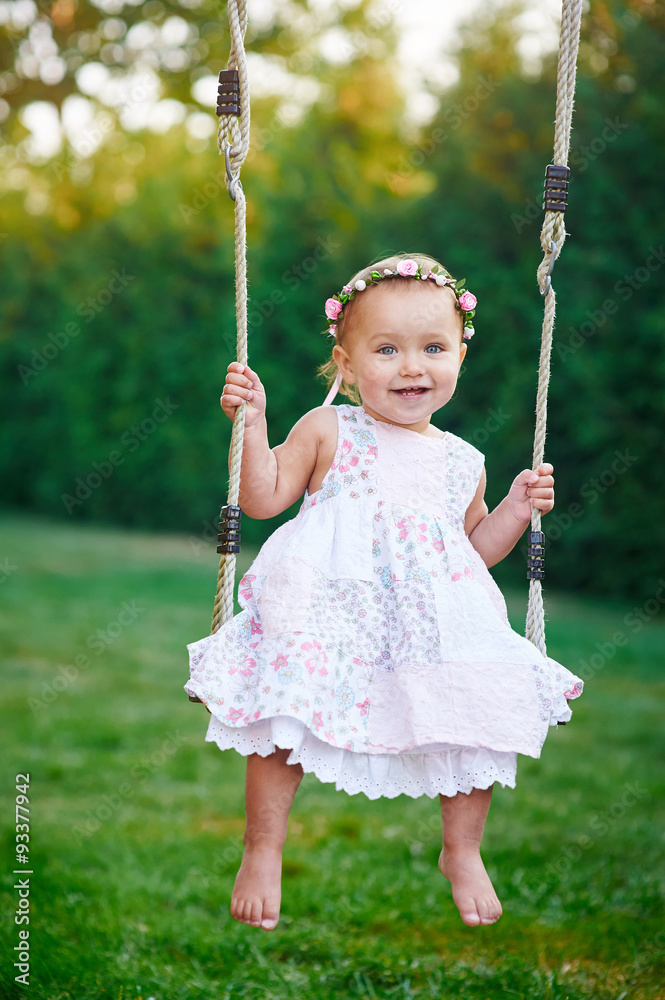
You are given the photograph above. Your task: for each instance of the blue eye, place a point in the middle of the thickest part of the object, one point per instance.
(388, 351)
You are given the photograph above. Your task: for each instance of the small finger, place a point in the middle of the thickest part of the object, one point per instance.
(234, 386)
(236, 378)
(235, 399)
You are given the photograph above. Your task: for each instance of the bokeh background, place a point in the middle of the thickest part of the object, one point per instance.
(376, 126)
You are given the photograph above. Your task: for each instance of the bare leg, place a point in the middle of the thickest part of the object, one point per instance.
(460, 862)
(270, 787)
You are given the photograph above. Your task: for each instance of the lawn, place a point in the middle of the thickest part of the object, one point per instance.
(136, 823)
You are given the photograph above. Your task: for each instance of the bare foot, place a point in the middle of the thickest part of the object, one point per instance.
(473, 892)
(257, 891)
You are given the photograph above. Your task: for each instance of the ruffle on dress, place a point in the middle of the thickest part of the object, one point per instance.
(443, 769)
(373, 640)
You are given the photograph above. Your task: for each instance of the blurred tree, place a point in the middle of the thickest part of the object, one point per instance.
(117, 317)
(606, 390)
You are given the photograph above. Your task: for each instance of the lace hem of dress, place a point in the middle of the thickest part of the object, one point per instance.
(440, 769)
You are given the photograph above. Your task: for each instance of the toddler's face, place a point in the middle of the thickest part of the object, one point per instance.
(403, 350)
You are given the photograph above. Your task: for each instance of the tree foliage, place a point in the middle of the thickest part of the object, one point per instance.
(117, 302)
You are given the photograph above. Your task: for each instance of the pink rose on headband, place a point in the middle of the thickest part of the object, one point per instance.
(407, 268)
(467, 301)
(333, 308)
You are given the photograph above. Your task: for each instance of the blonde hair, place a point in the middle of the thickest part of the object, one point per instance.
(329, 369)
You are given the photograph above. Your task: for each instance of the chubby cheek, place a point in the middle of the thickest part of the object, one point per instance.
(375, 368)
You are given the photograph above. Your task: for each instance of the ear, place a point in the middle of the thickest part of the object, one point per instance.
(462, 352)
(343, 362)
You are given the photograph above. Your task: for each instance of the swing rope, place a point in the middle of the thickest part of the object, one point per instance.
(233, 141)
(552, 239)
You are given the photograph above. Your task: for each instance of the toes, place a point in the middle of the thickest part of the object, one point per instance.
(255, 912)
(270, 916)
(490, 911)
(245, 911)
(468, 911)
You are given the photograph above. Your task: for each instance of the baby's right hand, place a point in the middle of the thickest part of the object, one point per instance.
(243, 386)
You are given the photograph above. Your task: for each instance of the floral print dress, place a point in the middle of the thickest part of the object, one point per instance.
(373, 640)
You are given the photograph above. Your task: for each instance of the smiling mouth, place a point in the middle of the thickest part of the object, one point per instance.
(412, 391)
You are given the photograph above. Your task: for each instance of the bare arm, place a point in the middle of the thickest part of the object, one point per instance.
(272, 479)
(494, 535)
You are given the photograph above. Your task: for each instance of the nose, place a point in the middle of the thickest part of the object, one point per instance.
(412, 364)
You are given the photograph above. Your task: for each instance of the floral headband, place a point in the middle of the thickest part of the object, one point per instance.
(466, 302)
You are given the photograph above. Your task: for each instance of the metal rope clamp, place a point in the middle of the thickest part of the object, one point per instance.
(229, 528)
(536, 555)
(231, 180)
(548, 284)
(228, 103)
(555, 199)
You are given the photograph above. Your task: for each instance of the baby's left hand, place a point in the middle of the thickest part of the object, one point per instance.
(532, 488)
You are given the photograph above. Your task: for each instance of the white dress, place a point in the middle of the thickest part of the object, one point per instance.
(373, 640)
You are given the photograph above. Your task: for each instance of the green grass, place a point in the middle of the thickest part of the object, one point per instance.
(135, 903)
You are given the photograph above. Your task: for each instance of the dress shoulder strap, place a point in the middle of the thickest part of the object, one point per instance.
(333, 390)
